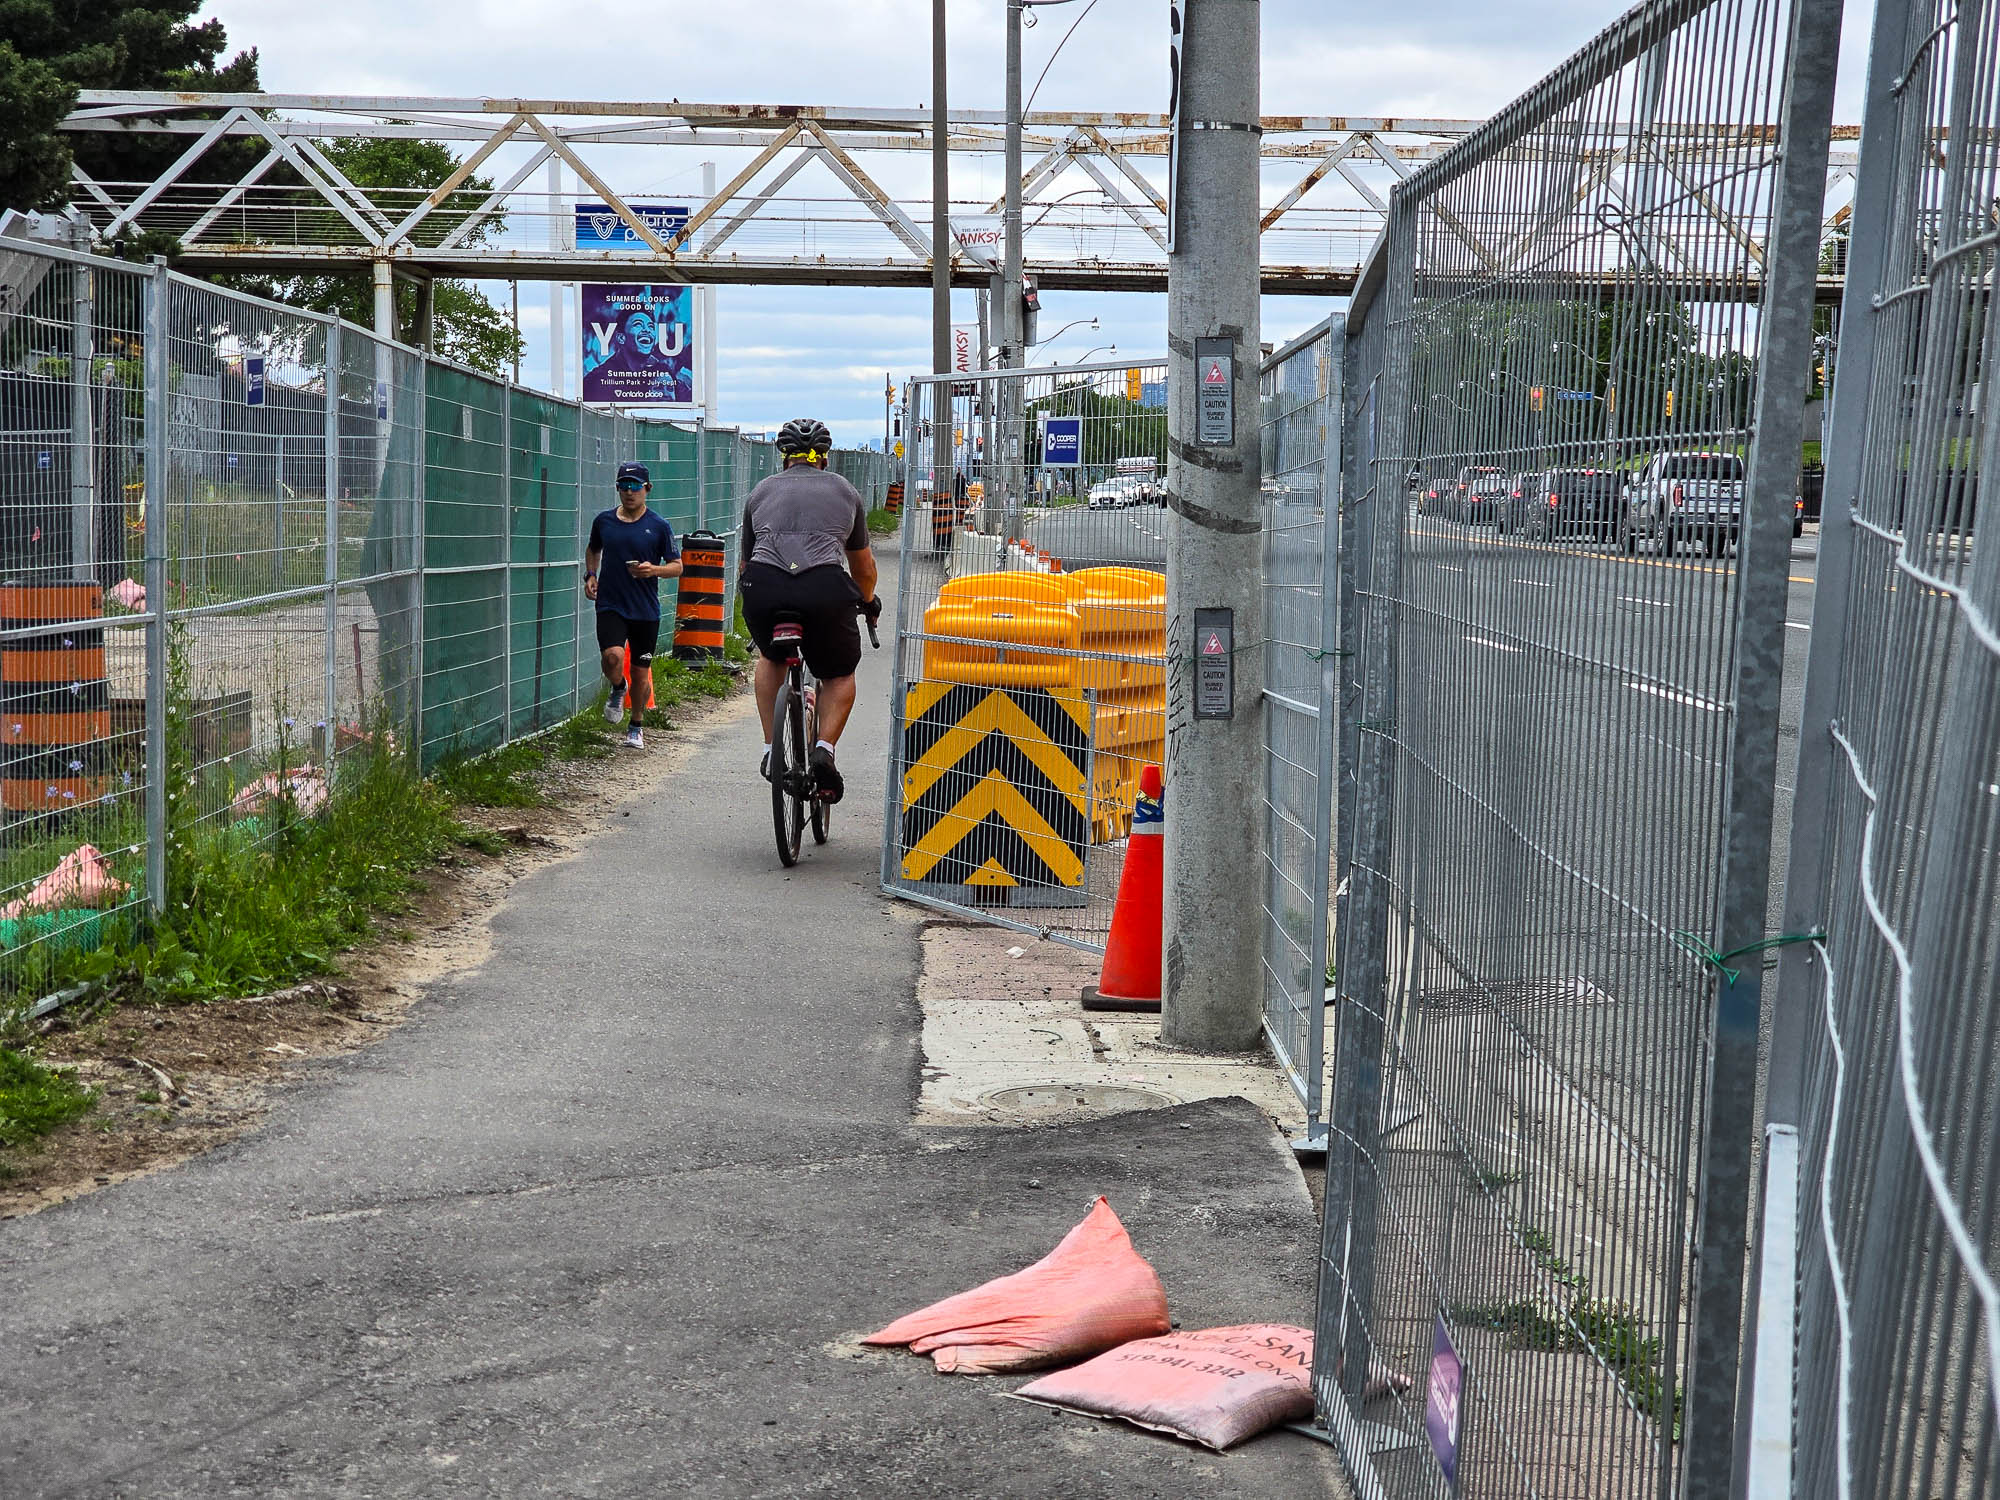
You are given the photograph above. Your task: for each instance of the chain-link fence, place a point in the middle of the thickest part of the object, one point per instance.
(1030, 689)
(356, 547)
(1577, 368)
(1883, 1181)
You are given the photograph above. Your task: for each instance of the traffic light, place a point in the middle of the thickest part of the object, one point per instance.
(1534, 398)
(1031, 304)
(1135, 387)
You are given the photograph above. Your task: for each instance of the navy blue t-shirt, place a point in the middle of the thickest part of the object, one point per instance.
(649, 539)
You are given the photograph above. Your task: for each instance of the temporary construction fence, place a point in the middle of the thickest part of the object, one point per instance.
(1878, 1335)
(1573, 377)
(239, 540)
(1030, 685)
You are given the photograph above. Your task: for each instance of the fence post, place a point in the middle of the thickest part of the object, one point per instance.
(1791, 275)
(1332, 411)
(332, 570)
(701, 472)
(507, 564)
(418, 528)
(155, 378)
(82, 443)
(1354, 1125)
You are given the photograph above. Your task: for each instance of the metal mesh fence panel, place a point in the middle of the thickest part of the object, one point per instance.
(465, 563)
(542, 481)
(1889, 1023)
(1580, 504)
(1030, 686)
(1301, 448)
(73, 635)
(670, 454)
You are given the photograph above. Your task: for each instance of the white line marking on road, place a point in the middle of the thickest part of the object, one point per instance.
(1480, 640)
(1683, 750)
(1534, 583)
(1450, 569)
(1673, 697)
(1796, 625)
(1661, 603)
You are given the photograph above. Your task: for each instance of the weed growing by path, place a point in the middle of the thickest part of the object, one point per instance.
(34, 1099)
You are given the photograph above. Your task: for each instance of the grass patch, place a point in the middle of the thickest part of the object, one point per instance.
(34, 1100)
(883, 522)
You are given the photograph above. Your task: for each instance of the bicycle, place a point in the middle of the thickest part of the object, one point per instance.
(795, 800)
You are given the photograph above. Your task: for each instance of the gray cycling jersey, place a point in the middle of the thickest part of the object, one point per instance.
(804, 518)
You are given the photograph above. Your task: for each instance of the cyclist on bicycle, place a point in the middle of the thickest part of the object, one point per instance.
(798, 528)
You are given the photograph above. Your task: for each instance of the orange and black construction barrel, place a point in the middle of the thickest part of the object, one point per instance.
(893, 501)
(944, 521)
(698, 618)
(55, 702)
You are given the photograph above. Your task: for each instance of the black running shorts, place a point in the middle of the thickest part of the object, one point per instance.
(614, 631)
(823, 599)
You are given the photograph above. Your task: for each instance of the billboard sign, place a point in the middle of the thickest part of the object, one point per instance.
(253, 380)
(1062, 441)
(598, 226)
(638, 344)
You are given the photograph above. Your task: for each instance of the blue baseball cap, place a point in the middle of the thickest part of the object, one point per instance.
(634, 471)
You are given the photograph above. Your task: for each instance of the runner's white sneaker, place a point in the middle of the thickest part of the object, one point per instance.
(634, 740)
(614, 707)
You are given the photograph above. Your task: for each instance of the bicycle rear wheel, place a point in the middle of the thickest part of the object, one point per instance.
(790, 772)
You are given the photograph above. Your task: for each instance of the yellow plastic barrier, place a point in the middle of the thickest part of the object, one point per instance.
(1006, 622)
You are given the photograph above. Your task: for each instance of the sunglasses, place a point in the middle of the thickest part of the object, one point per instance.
(630, 486)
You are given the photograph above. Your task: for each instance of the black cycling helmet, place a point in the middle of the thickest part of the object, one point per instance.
(804, 435)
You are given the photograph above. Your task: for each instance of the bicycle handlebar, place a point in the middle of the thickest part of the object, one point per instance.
(862, 610)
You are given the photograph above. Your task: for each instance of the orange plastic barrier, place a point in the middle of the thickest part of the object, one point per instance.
(1213, 1386)
(1091, 1293)
(1005, 621)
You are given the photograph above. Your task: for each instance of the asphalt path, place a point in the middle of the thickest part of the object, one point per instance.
(604, 1217)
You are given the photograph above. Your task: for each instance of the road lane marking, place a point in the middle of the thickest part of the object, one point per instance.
(1796, 625)
(1692, 701)
(1610, 557)
(1534, 583)
(1450, 569)
(1661, 603)
(1480, 640)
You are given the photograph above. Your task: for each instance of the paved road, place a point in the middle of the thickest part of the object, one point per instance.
(1081, 538)
(597, 1221)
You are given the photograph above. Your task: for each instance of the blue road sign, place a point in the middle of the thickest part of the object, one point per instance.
(599, 228)
(1062, 441)
(1574, 395)
(253, 380)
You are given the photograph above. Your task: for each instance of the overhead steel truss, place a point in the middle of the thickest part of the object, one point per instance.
(1327, 181)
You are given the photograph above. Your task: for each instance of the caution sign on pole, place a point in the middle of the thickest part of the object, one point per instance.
(996, 791)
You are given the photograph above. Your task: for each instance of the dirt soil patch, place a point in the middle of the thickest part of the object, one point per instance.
(173, 1081)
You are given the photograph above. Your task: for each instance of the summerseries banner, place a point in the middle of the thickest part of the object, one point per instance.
(638, 344)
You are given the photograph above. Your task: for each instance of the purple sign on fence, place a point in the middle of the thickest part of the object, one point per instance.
(1442, 1411)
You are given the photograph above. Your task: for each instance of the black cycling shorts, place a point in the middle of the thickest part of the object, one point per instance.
(823, 598)
(615, 631)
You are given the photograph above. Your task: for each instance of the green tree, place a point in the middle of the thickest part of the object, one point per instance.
(53, 48)
(394, 175)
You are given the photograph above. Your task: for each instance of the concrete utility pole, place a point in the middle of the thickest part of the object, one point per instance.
(1213, 998)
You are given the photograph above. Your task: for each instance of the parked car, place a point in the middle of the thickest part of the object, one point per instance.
(1115, 494)
(1568, 502)
(1684, 496)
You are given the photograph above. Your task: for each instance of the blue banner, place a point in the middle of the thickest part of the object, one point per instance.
(638, 344)
(1062, 441)
(599, 228)
(253, 380)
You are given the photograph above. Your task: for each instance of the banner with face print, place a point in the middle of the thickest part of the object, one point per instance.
(638, 344)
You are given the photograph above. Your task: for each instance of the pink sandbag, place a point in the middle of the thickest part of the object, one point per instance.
(81, 878)
(304, 788)
(1215, 1386)
(1092, 1292)
(128, 593)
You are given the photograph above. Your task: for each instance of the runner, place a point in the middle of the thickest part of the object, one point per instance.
(638, 550)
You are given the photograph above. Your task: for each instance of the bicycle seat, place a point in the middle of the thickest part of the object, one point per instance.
(788, 632)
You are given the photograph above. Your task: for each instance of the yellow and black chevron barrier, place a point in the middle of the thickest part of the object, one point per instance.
(996, 790)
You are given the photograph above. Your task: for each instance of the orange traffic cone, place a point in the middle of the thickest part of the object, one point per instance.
(1130, 979)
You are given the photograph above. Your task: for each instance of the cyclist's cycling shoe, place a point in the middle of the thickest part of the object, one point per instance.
(764, 766)
(825, 777)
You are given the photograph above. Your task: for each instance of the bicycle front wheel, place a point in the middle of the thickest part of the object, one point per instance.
(790, 772)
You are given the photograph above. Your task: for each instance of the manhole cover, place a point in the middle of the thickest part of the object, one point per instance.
(1074, 1098)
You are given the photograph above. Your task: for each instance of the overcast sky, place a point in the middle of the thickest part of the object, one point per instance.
(783, 351)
